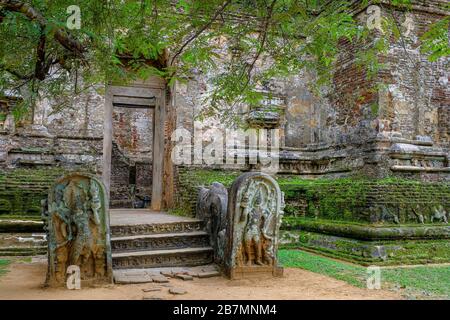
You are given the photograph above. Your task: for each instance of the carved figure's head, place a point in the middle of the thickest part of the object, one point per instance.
(59, 193)
(258, 199)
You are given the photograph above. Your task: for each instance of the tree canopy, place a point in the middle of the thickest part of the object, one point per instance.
(44, 52)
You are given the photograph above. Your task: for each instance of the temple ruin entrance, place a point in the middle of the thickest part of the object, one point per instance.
(132, 156)
(133, 144)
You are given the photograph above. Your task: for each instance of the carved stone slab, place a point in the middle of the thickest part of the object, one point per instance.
(255, 209)
(212, 209)
(77, 225)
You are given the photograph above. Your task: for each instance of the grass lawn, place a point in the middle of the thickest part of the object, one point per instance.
(414, 282)
(3, 264)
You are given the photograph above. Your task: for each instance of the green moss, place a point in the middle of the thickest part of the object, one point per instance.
(182, 212)
(343, 199)
(351, 199)
(396, 252)
(203, 177)
(367, 231)
(374, 108)
(21, 190)
(5, 206)
(189, 182)
(3, 265)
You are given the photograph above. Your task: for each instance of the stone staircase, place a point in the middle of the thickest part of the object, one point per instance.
(160, 243)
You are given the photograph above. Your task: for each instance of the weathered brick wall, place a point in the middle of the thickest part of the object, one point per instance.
(417, 95)
(131, 163)
(81, 115)
(369, 201)
(21, 190)
(133, 132)
(65, 133)
(189, 180)
(329, 135)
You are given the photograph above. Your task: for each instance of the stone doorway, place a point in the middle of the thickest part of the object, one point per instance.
(133, 144)
(132, 156)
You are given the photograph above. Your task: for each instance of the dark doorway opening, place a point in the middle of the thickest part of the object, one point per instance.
(132, 156)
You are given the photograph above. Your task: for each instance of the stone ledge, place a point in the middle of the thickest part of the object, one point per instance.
(419, 169)
(363, 232)
(369, 252)
(13, 225)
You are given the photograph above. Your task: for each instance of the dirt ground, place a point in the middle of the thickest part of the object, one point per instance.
(25, 281)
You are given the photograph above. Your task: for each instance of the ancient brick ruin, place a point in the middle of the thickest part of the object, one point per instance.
(393, 140)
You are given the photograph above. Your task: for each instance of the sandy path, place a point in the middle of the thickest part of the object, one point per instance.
(24, 281)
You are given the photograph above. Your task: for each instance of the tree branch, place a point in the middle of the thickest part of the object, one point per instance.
(61, 35)
(15, 73)
(263, 38)
(201, 30)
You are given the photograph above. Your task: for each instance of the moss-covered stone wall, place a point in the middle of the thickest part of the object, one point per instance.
(188, 182)
(344, 199)
(383, 221)
(387, 201)
(21, 190)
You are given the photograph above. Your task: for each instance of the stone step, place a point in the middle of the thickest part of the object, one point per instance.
(164, 241)
(22, 251)
(185, 257)
(164, 274)
(156, 228)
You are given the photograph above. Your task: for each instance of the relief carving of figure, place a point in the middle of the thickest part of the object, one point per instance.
(253, 234)
(77, 226)
(255, 209)
(439, 214)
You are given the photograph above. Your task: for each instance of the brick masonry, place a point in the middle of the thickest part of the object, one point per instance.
(401, 129)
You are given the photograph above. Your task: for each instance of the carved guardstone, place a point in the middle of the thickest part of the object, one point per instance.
(212, 209)
(77, 225)
(255, 209)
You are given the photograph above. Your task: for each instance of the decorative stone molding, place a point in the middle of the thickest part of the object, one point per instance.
(77, 225)
(266, 117)
(139, 229)
(417, 157)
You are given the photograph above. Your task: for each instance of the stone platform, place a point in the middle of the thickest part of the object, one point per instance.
(121, 217)
(142, 239)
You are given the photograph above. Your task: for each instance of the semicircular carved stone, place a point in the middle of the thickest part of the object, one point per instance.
(77, 225)
(255, 210)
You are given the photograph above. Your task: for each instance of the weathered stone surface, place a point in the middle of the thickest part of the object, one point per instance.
(177, 291)
(400, 129)
(22, 244)
(184, 277)
(209, 274)
(168, 274)
(132, 279)
(160, 279)
(212, 208)
(255, 209)
(382, 252)
(77, 225)
(152, 289)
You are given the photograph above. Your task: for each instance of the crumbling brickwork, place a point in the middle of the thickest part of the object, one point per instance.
(352, 128)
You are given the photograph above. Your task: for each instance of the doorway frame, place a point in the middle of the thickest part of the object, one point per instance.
(153, 89)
